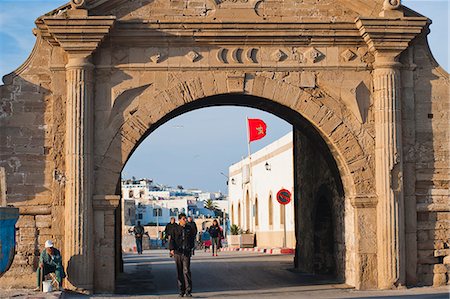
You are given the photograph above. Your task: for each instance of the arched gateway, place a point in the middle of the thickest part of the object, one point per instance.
(354, 77)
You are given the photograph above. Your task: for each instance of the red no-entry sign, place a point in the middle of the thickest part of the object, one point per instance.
(284, 196)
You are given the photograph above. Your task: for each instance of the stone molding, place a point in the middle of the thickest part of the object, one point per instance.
(77, 34)
(106, 202)
(364, 201)
(390, 35)
(249, 33)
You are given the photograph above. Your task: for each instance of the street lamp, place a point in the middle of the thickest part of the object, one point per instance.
(268, 167)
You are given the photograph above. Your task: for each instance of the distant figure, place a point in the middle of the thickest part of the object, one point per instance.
(190, 221)
(206, 239)
(180, 246)
(50, 261)
(215, 232)
(139, 232)
(168, 231)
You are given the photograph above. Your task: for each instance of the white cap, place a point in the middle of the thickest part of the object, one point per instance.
(48, 244)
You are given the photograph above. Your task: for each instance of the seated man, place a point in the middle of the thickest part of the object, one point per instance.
(50, 261)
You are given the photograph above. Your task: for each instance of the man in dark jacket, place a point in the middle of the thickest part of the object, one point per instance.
(139, 232)
(168, 231)
(191, 222)
(180, 246)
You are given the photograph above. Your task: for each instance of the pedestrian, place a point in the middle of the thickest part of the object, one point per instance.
(190, 221)
(180, 246)
(50, 261)
(206, 239)
(168, 231)
(139, 232)
(214, 231)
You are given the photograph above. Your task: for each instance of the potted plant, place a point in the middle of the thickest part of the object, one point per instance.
(234, 238)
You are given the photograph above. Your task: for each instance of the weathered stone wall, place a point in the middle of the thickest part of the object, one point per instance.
(31, 151)
(427, 96)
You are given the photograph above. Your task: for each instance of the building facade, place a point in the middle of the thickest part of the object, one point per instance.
(252, 189)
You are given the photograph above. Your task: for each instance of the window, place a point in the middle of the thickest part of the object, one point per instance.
(174, 212)
(141, 194)
(255, 212)
(139, 216)
(239, 215)
(157, 212)
(130, 194)
(270, 210)
(232, 214)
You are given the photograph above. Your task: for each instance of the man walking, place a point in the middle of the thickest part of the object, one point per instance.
(180, 246)
(190, 221)
(138, 231)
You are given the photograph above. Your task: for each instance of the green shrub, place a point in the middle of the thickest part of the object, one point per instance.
(235, 230)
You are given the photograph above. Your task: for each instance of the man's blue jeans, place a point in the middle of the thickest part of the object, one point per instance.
(139, 245)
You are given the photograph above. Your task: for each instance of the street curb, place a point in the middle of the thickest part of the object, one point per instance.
(263, 250)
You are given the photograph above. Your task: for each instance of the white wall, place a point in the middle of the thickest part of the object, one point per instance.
(263, 184)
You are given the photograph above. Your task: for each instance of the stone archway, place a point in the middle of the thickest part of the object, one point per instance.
(107, 176)
(105, 74)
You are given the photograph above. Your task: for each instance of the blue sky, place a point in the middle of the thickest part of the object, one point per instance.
(194, 148)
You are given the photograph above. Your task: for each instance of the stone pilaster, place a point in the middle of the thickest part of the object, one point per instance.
(78, 152)
(387, 38)
(389, 173)
(79, 35)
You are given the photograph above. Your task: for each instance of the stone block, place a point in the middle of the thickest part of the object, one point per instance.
(439, 280)
(43, 221)
(307, 80)
(29, 232)
(26, 221)
(439, 269)
(447, 260)
(442, 252)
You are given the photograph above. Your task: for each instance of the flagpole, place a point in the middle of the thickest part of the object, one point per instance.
(249, 177)
(248, 139)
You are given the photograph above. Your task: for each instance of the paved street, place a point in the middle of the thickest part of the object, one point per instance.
(231, 275)
(239, 275)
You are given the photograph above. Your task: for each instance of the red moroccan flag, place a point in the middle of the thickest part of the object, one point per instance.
(256, 129)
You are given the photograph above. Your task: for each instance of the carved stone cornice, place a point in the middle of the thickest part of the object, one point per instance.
(77, 34)
(137, 33)
(390, 35)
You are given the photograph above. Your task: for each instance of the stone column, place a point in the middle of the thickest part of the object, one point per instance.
(79, 177)
(79, 35)
(387, 38)
(389, 172)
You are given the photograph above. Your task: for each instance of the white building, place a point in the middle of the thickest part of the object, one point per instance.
(252, 189)
(156, 204)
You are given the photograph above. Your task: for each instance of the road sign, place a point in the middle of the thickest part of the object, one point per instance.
(284, 196)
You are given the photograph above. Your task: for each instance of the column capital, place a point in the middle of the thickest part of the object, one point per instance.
(76, 32)
(388, 37)
(79, 62)
(361, 201)
(106, 202)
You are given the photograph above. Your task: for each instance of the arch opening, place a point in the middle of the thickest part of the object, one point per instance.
(308, 144)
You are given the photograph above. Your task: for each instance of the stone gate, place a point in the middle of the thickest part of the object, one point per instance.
(355, 78)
